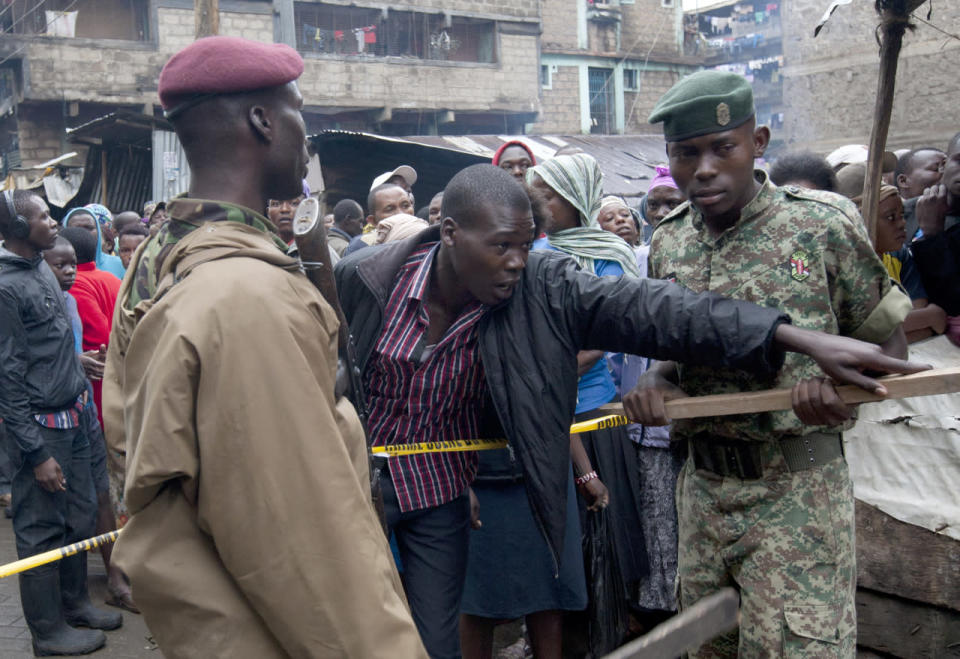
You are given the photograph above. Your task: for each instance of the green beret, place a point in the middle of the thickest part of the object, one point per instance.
(703, 103)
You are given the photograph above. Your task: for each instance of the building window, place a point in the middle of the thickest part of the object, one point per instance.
(600, 83)
(546, 81)
(91, 19)
(667, 3)
(631, 80)
(341, 30)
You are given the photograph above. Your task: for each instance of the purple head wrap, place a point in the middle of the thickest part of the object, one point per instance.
(662, 179)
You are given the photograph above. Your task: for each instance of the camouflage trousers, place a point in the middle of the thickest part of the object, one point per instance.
(786, 543)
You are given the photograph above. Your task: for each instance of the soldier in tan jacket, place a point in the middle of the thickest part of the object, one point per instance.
(251, 531)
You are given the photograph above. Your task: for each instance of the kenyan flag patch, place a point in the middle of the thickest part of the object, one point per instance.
(800, 265)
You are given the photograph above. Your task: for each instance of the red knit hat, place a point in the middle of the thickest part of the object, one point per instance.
(224, 65)
(507, 145)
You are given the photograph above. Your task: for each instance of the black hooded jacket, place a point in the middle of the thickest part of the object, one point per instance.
(529, 343)
(39, 368)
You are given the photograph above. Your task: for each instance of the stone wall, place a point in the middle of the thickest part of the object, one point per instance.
(647, 26)
(643, 24)
(520, 9)
(123, 72)
(560, 105)
(396, 83)
(559, 24)
(830, 81)
(41, 133)
(638, 106)
(126, 72)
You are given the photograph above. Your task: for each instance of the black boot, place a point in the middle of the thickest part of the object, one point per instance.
(78, 610)
(40, 598)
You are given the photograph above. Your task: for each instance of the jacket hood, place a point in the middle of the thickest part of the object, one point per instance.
(229, 239)
(103, 261)
(9, 258)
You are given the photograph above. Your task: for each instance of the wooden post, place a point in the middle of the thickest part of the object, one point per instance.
(891, 30)
(206, 17)
(893, 24)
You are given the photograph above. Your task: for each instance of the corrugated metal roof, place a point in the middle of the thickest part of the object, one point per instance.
(350, 160)
(627, 161)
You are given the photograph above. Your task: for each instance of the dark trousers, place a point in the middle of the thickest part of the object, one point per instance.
(433, 545)
(6, 467)
(46, 520)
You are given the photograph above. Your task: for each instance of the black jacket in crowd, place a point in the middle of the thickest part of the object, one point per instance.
(938, 260)
(39, 368)
(529, 343)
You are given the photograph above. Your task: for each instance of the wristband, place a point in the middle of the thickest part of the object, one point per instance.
(586, 478)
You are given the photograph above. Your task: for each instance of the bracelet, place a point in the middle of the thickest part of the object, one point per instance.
(586, 478)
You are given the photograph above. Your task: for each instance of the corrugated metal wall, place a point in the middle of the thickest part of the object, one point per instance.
(171, 173)
(128, 178)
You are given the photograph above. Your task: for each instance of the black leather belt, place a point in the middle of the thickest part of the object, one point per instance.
(746, 459)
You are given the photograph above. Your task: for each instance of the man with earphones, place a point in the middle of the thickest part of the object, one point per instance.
(41, 385)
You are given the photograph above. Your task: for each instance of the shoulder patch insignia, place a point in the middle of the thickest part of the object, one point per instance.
(799, 265)
(723, 114)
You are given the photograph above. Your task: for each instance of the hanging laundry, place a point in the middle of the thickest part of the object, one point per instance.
(338, 35)
(358, 35)
(370, 34)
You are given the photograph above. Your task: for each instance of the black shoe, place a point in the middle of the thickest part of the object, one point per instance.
(78, 610)
(40, 597)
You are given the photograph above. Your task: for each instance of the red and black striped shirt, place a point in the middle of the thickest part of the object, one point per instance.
(420, 393)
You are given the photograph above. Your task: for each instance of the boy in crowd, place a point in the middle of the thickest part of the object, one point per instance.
(42, 387)
(129, 239)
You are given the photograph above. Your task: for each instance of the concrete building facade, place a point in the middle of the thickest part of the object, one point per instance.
(830, 81)
(603, 65)
(448, 67)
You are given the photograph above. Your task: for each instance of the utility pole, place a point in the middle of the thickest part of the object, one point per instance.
(206, 18)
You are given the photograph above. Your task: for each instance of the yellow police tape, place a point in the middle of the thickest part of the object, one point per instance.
(57, 554)
(457, 445)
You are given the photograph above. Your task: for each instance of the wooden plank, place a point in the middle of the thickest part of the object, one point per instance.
(927, 383)
(905, 560)
(706, 619)
(906, 629)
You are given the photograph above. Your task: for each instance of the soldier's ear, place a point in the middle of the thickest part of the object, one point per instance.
(761, 139)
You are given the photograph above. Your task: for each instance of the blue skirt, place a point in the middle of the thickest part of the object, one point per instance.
(510, 568)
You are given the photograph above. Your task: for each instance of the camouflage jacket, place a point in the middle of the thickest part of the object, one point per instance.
(801, 251)
(186, 215)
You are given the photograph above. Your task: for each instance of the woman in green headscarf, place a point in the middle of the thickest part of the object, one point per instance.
(572, 187)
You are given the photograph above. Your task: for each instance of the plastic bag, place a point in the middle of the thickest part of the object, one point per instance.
(607, 614)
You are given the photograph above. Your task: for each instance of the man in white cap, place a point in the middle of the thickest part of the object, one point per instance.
(404, 176)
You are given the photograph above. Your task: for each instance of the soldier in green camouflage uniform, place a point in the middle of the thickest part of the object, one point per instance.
(765, 503)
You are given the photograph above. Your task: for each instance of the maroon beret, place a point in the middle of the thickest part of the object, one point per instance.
(226, 65)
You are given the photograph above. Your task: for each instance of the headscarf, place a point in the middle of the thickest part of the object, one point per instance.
(577, 179)
(103, 261)
(399, 226)
(615, 199)
(507, 145)
(663, 179)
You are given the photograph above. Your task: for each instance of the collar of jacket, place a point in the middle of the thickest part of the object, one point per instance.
(14, 259)
(379, 273)
(197, 211)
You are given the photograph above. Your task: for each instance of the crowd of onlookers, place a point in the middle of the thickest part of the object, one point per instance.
(632, 469)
